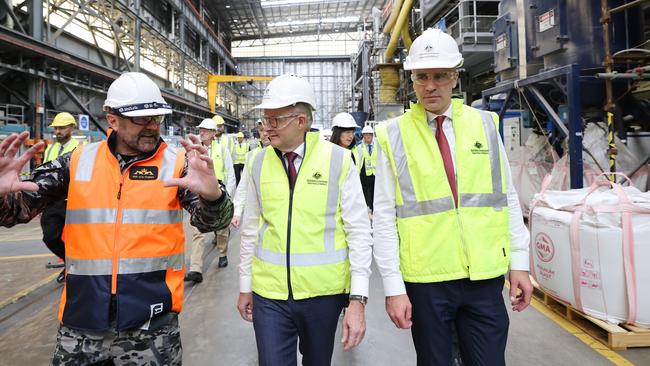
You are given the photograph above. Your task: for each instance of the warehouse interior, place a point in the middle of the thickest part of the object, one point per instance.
(569, 80)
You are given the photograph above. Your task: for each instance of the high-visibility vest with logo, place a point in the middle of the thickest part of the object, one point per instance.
(439, 242)
(217, 153)
(123, 238)
(54, 150)
(240, 152)
(300, 233)
(366, 160)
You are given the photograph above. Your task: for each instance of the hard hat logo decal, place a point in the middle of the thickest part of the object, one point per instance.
(143, 173)
(428, 48)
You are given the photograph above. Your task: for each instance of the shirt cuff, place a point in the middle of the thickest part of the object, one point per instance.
(359, 285)
(245, 285)
(394, 286)
(238, 211)
(520, 261)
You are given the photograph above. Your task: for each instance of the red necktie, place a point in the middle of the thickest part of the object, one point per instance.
(443, 145)
(291, 156)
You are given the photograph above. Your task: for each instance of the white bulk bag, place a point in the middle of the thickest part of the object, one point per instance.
(590, 248)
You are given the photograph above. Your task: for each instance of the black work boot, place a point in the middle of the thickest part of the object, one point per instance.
(195, 277)
(223, 262)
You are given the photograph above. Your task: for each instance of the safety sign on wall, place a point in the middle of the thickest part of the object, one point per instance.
(84, 122)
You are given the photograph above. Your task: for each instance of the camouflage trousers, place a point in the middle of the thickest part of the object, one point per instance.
(159, 345)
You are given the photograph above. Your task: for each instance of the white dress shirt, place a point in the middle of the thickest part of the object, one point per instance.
(240, 194)
(355, 224)
(386, 246)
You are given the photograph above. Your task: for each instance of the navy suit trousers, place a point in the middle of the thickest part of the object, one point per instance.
(280, 323)
(475, 307)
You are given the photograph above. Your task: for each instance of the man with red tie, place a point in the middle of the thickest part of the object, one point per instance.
(447, 222)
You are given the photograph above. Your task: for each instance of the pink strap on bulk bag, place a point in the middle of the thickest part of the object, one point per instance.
(628, 241)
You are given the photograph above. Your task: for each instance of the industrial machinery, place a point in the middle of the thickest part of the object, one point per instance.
(215, 79)
(567, 63)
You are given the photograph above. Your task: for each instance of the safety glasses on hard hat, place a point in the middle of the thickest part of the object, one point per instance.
(274, 122)
(439, 78)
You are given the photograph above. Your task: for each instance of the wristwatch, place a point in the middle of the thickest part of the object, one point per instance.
(360, 298)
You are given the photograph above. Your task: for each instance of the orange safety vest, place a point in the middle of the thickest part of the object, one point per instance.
(123, 237)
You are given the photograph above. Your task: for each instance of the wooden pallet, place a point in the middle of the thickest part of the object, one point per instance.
(615, 337)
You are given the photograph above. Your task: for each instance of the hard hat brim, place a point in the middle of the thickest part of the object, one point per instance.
(433, 65)
(271, 105)
(147, 112)
(63, 124)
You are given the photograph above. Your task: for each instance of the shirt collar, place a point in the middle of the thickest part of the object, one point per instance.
(432, 116)
(300, 150)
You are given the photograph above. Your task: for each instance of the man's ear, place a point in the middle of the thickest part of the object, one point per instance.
(112, 121)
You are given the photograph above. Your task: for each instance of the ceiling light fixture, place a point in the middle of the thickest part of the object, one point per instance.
(277, 3)
(352, 19)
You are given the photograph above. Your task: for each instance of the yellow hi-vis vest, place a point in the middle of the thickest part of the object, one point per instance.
(365, 159)
(301, 242)
(240, 153)
(439, 242)
(217, 153)
(226, 141)
(54, 150)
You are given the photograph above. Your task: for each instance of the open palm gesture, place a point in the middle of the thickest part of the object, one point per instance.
(10, 165)
(200, 177)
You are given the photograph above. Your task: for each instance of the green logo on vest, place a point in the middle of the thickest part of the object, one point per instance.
(316, 181)
(478, 149)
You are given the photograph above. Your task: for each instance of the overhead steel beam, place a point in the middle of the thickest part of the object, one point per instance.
(83, 107)
(15, 94)
(13, 16)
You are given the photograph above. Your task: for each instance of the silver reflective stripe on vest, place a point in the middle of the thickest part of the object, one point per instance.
(256, 174)
(87, 162)
(302, 259)
(104, 267)
(144, 265)
(410, 206)
(143, 216)
(497, 199)
(88, 267)
(168, 164)
(336, 162)
(91, 216)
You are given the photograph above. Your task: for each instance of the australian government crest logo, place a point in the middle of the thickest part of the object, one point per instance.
(316, 179)
(479, 148)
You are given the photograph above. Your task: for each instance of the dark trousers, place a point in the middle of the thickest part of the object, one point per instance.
(475, 307)
(52, 222)
(238, 169)
(280, 323)
(368, 186)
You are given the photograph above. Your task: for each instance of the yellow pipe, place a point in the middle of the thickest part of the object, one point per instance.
(406, 36)
(393, 16)
(397, 29)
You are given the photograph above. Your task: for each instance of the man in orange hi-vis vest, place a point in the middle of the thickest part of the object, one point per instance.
(124, 227)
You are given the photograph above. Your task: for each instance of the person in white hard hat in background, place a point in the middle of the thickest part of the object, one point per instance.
(223, 171)
(367, 156)
(343, 127)
(444, 192)
(241, 149)
(240, 194)
(53, 216)
(298, 271)
(124, 228)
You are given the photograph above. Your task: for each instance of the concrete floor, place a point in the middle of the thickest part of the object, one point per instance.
(214, 334)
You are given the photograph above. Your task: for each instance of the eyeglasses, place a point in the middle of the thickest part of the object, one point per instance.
(144, 121)
(274, 122)
(438, 78)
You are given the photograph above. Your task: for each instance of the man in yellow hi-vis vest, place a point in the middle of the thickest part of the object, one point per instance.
(53, 216)
(306, 245)
(223, 171)
(241, 149)
(444, 200)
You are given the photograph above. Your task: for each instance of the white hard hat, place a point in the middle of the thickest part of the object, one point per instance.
(133, 94)
(208, 124)
(286, 90)
(433, 49)
(367, 129)
(344, 120)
